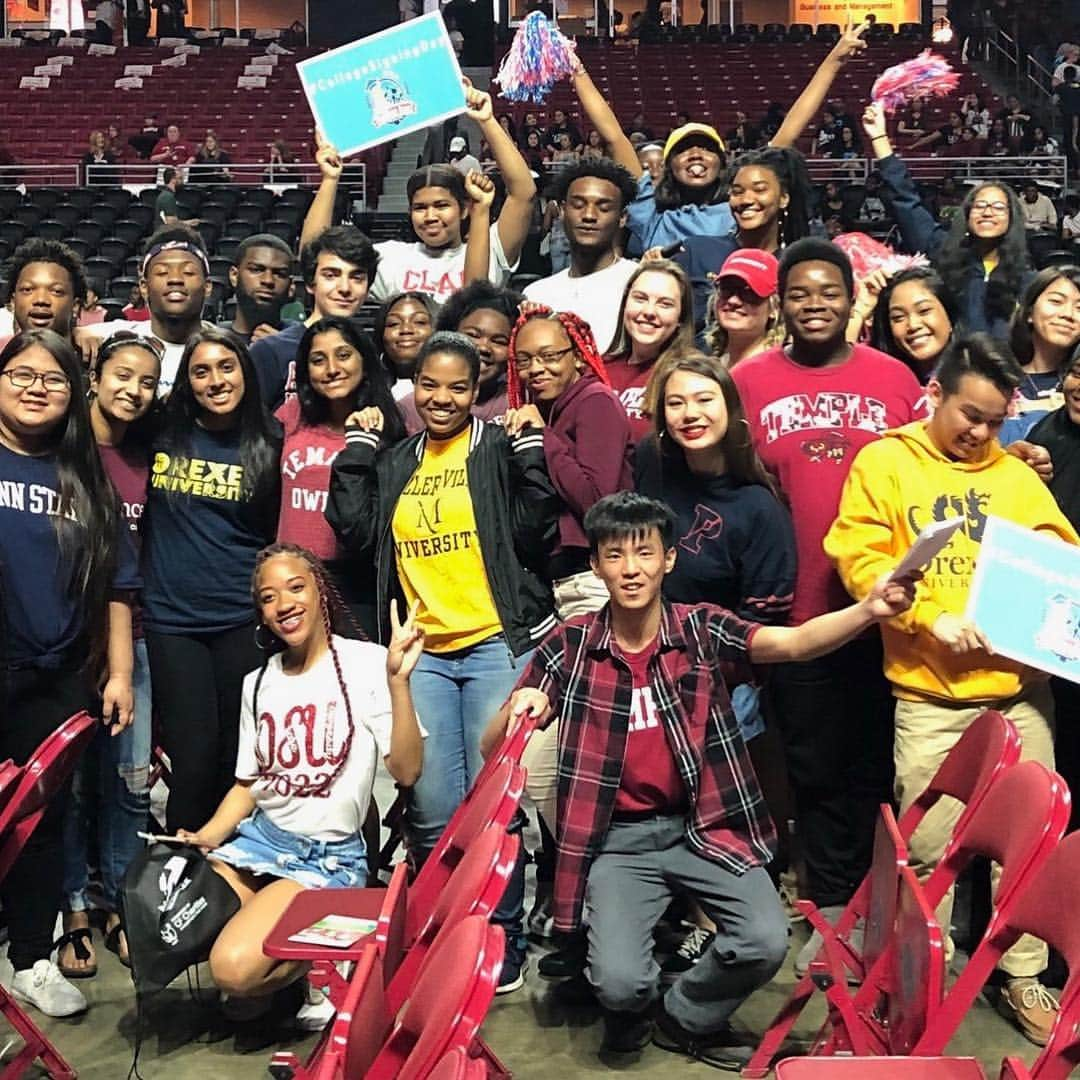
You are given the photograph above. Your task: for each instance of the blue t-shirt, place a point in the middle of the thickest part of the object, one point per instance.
(650, 227)
(42, 620)
(201, 535)
(275, 363)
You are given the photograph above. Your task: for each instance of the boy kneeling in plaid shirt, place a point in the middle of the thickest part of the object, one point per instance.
(656, 793)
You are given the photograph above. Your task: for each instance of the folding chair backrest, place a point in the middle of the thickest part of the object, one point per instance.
(990, 746)
(890, 856)
(510, 749)
(1044, 909)
(920, 966)
(457, 1065)
(879, 1068)
(361, 1024)
(475, 888)
(40, 779)
(447, 1005)
(493, 803)
(1018, 822)
(390, 933)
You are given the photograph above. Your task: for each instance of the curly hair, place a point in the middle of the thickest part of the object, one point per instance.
(44, 251)
(336, 620)
(480, 295)
(602, 169)
(578, 333)
(957, 253)
(347, 242)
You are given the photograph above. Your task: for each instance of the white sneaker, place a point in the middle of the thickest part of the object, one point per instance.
(316, 1012)
(47, 990)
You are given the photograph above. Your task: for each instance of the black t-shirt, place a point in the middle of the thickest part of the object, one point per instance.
(42, 622)
(1062, 438)
(1069, 98)
(201, 534)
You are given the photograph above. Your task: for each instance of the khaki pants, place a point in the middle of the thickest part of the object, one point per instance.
(925, 733)
(580, 594)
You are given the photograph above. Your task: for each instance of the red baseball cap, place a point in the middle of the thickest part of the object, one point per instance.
(758, 269)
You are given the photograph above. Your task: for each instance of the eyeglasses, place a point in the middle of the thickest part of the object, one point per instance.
(22, 378)
(524, 361)
(994, 207)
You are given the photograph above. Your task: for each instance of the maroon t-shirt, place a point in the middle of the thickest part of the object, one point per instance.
(129, 470)
(650, 778)
(629, 381)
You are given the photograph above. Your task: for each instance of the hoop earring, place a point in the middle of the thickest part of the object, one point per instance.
(258, 643)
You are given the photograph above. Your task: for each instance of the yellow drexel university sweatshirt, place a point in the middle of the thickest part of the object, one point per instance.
(897, 486)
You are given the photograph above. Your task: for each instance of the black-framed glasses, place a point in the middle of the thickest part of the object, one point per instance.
(523, 361)
(53, 382)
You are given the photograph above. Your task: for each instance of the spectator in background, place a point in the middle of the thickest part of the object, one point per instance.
(946, 135)
(1070, 222)
(1068, 98)
(743, 136)
(997, 142)
(97, 153)
(637, 123)
(872, 209)
(1017, 122)
(166, 208)
(506, 122)
(282, 164)
(109, 23)
(113, 141)
(772, 121)
(1068, 56)
(460, 158)
(913, 124)
(828, 135)
(561, 125)
(565, 154)
(651, 157)
(1042, 143)
(535, 153)
(138, 21)
(92, 311)
(172, 149)
(136, 310)
(170, 17)
(212, 161)
(1038, 210)
(595, 147)
(976, 115)
(147, 139)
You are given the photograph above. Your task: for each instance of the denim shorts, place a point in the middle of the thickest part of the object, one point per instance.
(260, 846)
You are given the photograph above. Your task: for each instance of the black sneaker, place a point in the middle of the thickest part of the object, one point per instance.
(625, 1032)
(692, 949)
(568, 960)
(540, 924)
(722, 1049)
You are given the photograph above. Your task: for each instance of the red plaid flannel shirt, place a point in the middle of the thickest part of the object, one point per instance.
(703, 650)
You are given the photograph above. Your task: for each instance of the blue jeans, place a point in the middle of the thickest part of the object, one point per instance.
(456, 695)
(114, 774)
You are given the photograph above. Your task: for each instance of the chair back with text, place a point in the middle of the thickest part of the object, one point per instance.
(475, 888)
(447, 1005)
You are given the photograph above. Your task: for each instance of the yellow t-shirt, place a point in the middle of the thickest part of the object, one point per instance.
(438, 551)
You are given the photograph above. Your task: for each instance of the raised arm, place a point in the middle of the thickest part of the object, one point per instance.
(320, 215)
(603, 118)
(516, 214)
(811, 99)
(481, 192)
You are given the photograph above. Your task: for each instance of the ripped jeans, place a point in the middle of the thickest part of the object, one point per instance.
(110, 793)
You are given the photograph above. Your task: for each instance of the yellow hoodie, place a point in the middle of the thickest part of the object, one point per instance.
(897, 486)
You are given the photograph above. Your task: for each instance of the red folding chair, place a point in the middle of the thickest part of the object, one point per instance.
(494, 801)
(32, 788)
(475, 888)
(988, 748)
(1043, 909)
(447, 1005)
(879, 1068)
(1018, 825)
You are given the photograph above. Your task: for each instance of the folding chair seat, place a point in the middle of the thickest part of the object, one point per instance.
(32, 788)
(880, 1068)
(981, 757)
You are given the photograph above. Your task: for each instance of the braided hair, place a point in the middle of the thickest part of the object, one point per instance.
(578, 333)
(336, 619)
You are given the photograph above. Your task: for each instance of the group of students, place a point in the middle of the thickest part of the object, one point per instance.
(609, 502)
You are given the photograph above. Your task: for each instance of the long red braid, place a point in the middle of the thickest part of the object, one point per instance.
(335, 616)
(579, 334)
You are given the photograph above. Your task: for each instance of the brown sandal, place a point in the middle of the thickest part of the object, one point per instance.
(76, 939)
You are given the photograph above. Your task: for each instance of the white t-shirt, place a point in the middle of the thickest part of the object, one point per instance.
(405, 267)
(301, 730)
(594, 297)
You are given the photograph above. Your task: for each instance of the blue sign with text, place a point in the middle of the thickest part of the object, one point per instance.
(382, 86)
(1025, 597)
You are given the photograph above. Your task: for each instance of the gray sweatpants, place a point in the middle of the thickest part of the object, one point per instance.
(641, 865)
